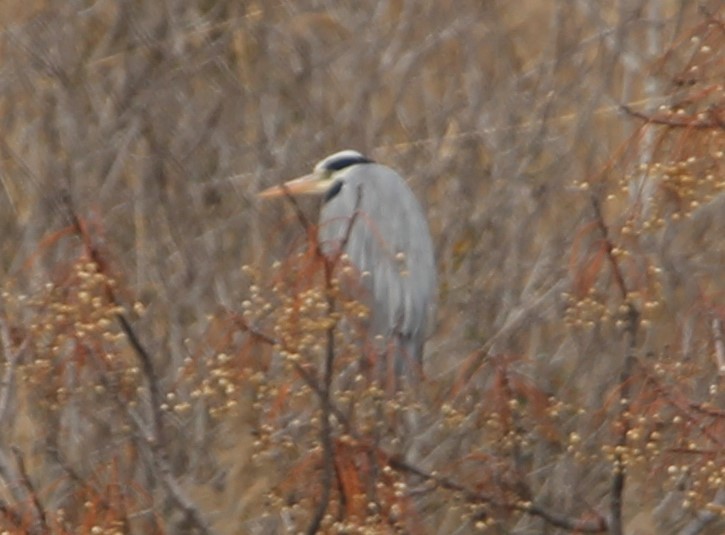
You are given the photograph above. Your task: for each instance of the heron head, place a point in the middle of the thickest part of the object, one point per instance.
(323, 177)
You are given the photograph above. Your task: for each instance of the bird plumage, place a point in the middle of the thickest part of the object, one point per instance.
(390, 245)
(388, 241)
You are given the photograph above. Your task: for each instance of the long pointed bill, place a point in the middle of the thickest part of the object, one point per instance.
(305, 185)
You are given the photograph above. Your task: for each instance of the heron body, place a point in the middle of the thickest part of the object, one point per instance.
(387, 241)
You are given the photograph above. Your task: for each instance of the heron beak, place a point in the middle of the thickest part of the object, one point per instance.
(305, 185)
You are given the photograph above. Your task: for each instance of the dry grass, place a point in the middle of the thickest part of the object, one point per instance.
(164, 334)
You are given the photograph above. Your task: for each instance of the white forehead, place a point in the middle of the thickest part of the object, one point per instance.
(343, 155)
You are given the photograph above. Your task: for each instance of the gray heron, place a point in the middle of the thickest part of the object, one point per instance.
(388, 241)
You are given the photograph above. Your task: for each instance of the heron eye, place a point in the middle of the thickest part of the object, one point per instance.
(333, 191)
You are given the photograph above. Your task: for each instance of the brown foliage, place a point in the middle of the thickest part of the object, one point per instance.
(177, 358)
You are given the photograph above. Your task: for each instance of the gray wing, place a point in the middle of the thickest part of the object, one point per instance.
(390, 240)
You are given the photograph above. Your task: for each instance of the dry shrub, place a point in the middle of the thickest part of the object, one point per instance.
(165, 338)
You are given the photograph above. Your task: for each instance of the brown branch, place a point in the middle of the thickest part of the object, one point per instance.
(326, 405)
(631, 326)
(579, 526)
(74, 476)
(609, 247)
(150, 375)
(686, 408)
(704, 518)
(713, 121)
(306, 375)
(12, 515)
(619, 472)
(719, 342)
(517, 428)
(153, 436)
(12, 356)
(30, 489)
(328, 449)
(301, 217)
(161, 466)
(8, 473)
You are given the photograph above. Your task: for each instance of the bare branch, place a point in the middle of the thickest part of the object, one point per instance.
(328, 450)
(12, 357)
(41, 518)
(623, 417)
(714, 120)
(579, 526)
(704, 518)
(719, 342)
(609, 247)
(152, 435)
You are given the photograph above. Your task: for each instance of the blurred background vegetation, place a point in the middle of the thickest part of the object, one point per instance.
(569, 155)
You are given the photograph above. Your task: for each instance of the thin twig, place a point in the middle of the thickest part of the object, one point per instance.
(307, 376)
(619, 471)
(517, 428)
(301, 217)
(9, 473)
(719, 342)
(609, 247)
(690, 410)
(150, 375)
(704, 518)
(74, 476)
(579, 526)
(28, 485)
(161, 466)
(153, 436)
(12, 356)
(713, 121)
(328, 451)
(623, 417)
(12, 515)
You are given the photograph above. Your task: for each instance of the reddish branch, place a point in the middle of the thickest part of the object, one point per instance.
(12, 515)
(12, 357)
(42, 521)
(328, 450)
(323, 390)
(609, 247)
(688, 409)
(598, 525)
(719, 342)
(307, 376)
(301, 217)
(631, 326)
(714, 118)
(153, 435)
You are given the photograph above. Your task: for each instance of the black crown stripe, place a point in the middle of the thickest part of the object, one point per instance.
(342, 163)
